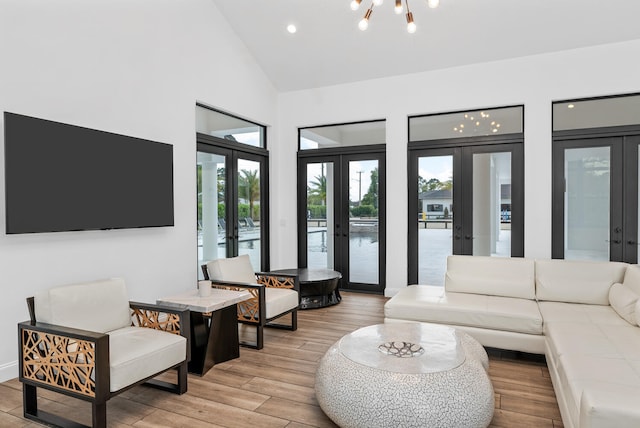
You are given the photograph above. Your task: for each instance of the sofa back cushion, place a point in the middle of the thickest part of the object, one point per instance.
(495, 276)
(577, 281)
(234, 269)
(99, 306)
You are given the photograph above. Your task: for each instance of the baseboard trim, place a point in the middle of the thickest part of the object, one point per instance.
(8, 371)
(390, 291)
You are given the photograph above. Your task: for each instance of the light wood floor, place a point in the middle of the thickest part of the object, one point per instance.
(273, 387)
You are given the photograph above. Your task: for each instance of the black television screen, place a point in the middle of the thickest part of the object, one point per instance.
(61, 177)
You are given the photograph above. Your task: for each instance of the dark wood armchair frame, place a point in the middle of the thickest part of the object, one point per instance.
(45, 362)
(253, 311)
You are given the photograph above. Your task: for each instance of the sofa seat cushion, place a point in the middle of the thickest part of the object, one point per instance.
(584, 338)
(605, 405)
(279, 300)
(496, 276)
(579, 313)
(577, 281)
(578, 338)
(136, 353)
(583, 374)
(427, 303)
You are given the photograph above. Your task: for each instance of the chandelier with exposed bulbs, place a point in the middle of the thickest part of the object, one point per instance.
(411, 26)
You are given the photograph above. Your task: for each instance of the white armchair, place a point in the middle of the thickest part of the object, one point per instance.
(88, 341)
(274, 295)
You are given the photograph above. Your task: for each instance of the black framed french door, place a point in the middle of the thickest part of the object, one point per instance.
(464, 198)
(595, 196)
(232, 186)
(341, 216)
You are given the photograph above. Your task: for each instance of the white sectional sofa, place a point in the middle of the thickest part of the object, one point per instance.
(580, 315)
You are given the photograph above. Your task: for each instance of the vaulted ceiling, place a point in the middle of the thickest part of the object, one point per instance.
(329, 49)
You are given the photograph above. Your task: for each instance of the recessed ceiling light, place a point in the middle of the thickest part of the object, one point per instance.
(291, 28)
(570, 106)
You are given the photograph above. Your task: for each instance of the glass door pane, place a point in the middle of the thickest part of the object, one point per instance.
(434, 217)
(491, 220)
(320, 215)
(587, 174)
(211, 188)
(248, 209)
(363, 222)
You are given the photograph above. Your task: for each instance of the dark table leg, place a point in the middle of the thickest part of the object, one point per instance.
(214, 339)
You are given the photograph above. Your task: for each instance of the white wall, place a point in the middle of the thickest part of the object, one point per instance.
(534, 81)
(137, 67)
(134, 67)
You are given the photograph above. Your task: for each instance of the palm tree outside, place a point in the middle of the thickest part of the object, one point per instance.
(249, 187)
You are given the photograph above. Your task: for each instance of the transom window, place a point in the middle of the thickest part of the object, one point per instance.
(228, 127)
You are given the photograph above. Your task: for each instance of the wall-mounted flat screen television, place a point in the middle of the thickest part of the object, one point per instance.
(61, 177)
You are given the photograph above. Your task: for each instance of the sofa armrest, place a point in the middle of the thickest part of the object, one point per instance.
(63, 359)
(615, 406)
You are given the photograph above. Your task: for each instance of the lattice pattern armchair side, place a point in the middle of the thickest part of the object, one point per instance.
(95, 364)
(274, 295)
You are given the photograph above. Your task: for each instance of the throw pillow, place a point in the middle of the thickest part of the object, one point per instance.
(632, 278)
(623, 300)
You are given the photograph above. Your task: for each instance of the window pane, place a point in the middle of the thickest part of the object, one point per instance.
(249, 211)
(214, 123)
(587, 178)
(475, 123)
(435, 217)
(596, 113)
(363, 222)
(352, 134)
(211, 188)
(492, 204)
(320, 224)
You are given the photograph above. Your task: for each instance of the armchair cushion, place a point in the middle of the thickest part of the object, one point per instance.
(99, 306)
(136, 353)
(235, 269)
(279, 300)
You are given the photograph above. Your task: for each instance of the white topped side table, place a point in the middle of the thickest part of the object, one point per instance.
(214, 338)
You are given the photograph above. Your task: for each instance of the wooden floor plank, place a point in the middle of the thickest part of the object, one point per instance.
(10, 398)
(274, 387)
(166, 419)
(297, 412)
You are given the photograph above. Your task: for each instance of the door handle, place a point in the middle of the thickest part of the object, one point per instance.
(467, 236)
(631, 242)
(615, 241)
(456, 237)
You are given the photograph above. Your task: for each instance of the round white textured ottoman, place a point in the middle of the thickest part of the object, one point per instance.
(408, 375)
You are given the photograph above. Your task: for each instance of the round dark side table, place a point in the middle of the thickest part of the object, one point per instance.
(318, 287)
